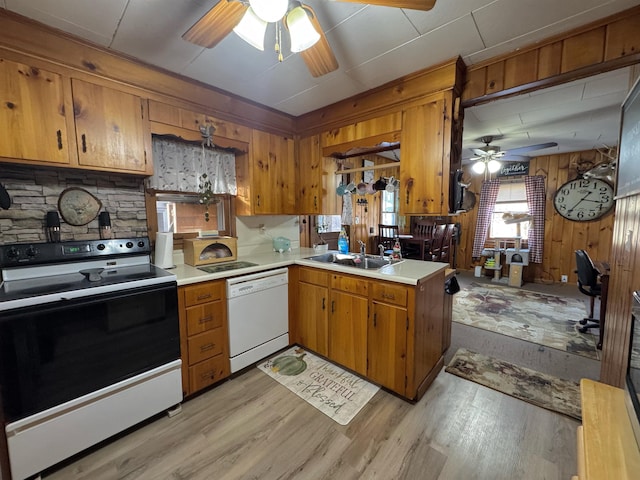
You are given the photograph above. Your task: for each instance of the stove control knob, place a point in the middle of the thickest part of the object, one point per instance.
(13, 253)
(140, 244)
(31, 251)
(129, 245)
(101, 246)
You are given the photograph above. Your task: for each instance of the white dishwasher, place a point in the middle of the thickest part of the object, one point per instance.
(258, 312)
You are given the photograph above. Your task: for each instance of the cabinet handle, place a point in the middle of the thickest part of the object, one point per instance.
(206, 319)
(390, 296)
(210, 374)
(202, 297)
(323, 305)
(374, 318)
(407, 197)
(207, 346)
(59, 136)
(333, 305)
(315, 201)
(258, 201)
(84, 143)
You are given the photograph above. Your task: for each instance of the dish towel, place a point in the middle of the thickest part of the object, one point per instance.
(347, 209)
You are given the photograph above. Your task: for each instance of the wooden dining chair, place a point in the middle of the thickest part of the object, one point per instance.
(435, 251)
(387, 236)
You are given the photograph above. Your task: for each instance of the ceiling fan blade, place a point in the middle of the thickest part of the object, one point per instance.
(531, 148)
(409, 4)
(514, 158)
(479, 152)
(216, 24)
(319, 58)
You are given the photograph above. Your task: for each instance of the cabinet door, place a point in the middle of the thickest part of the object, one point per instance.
(110, 128)
(272, 173)
(348, 331)
(423, 176)
(313, 317)
(32, 116)
(387, 346)
(317, 181)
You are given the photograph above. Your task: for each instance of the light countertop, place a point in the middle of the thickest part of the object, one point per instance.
(410, 272)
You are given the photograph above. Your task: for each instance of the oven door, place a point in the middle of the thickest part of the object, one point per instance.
(53, 353)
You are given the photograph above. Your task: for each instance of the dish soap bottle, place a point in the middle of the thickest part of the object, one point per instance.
(343, 242)
(397, 254)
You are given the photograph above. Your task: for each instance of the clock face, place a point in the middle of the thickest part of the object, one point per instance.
(584, 199)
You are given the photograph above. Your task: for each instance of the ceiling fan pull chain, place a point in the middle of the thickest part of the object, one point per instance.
(279, 41)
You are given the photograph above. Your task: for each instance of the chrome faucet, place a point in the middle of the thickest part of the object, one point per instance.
(363, 247)
(381, 248)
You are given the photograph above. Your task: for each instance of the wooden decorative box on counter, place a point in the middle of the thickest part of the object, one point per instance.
(203, 335)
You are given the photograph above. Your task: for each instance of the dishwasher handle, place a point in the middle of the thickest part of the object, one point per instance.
(257, 282)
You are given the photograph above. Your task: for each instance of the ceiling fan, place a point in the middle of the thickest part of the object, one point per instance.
(489, 155)
(249, 19)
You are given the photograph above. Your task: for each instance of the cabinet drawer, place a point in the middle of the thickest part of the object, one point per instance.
(393, 294)
(205, 317)
(205, 345)
(207, 373)
(315, 277)
(355, 285)
(203, 293)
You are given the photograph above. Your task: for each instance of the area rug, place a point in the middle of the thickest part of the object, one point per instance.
(546, 391)
(535, 317)
(332, 390)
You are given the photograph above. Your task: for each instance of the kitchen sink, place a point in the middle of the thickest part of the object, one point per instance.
(367, 262)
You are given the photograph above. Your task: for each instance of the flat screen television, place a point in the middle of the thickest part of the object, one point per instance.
(632, 380)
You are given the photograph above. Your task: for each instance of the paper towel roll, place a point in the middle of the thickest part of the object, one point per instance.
(164, 250)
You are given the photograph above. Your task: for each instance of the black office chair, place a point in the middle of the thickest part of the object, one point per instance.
(587, 284)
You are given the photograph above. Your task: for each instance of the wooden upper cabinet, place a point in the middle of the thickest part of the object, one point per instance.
(365, 133)
(164, 116)
(266, 177)
(32, 114)
(317, 181)
(424, 159)
(110, 129)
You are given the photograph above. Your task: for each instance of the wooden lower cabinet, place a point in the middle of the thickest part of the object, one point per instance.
(313, 299)
(390, 333)
(203, 335)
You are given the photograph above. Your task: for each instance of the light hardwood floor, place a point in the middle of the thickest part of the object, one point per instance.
(251, 427)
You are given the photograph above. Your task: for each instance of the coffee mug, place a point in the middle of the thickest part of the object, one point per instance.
(361, 188)
(341, 190)
(370, 188)
(380, 184)
(390, 185)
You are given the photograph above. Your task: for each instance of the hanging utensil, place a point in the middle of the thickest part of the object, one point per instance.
(5, 199)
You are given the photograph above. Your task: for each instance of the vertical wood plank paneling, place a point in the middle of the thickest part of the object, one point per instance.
(495, 78)
(521, 69)
(583, 50)
(621, 38)
(625, 278)
(549, 59)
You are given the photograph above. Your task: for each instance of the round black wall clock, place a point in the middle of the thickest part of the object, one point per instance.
(584, 199)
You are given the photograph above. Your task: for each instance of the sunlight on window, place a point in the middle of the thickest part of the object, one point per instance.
(512, 200)
(389, 209)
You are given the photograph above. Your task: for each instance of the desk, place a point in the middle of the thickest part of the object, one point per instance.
(603, 270)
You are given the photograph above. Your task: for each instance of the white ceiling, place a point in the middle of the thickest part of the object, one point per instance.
(373, 45)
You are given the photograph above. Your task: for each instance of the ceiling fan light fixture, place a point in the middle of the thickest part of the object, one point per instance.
(252, 29)
(301, 30)
(269, 10)
(478, 167)
(493, 166)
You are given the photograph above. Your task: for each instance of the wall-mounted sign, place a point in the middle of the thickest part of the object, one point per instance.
(511, 169)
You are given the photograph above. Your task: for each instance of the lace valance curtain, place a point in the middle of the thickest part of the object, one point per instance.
(179, 166)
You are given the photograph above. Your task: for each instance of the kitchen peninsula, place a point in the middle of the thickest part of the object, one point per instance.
(390, 324)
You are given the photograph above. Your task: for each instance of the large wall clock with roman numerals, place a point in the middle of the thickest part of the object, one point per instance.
(584, 199)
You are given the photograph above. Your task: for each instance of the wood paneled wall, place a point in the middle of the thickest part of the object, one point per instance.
(562, 237)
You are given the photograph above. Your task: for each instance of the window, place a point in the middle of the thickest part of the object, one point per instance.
(389, 208)
(511, 205)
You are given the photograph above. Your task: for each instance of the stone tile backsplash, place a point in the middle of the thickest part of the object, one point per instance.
(35, 191)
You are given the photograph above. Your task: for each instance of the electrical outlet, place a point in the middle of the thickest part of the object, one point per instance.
(564, 279)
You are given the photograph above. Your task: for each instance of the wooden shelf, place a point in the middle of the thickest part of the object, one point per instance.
(608, 448)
